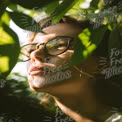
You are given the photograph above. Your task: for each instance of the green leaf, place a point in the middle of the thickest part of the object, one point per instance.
(60, 11)
(5, 18)
(9, 50)
(25, 22)
(3, 5)
(32, 3)
(13, 7)
(51, 7)
(89, 40)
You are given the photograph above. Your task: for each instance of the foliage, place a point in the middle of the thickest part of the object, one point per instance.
(19, 104)
(103, 15)
(8, 44)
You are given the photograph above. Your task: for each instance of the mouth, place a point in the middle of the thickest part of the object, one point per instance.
(36, 70)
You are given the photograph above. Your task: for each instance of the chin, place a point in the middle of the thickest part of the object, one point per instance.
(36, 82)
(39, 82)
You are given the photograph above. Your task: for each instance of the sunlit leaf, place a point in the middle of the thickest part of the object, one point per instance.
(60, 11)
(76, 10)
(49, 8)
(5, 18)
(4, 61)
(5, 38)
(25, 22)
(9, 50)
(87, 44)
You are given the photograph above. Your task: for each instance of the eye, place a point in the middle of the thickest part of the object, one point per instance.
(61, 45)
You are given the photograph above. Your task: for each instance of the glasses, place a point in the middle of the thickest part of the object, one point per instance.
(56, 46)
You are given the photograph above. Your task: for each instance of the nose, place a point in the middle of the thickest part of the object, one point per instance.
(38, 54)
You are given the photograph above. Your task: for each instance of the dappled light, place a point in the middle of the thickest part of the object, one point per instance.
(62, 61)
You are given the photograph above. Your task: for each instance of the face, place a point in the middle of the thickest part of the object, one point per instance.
(45, 69)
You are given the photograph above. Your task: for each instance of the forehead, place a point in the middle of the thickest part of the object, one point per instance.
(63, 29)
(60, 29)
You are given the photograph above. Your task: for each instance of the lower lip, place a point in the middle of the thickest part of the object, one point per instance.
(36, 72)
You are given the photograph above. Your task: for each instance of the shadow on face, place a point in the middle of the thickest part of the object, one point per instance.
(44, 69)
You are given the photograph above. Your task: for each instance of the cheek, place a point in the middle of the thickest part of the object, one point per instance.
(63, 58)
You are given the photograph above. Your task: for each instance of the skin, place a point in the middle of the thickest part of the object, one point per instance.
(72, 94)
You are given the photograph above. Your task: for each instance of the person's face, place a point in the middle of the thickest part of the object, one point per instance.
(44, 69)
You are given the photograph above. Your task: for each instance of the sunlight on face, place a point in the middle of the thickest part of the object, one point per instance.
(45, 69)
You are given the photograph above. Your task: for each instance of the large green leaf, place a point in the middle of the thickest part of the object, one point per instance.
(25, 22)
(32, 3)
(13, 7)
(89, 39)
(3, 5)
(60, 11)
(49, 8)
(9, 50)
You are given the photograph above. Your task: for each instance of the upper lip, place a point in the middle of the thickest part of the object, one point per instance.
(36, 69)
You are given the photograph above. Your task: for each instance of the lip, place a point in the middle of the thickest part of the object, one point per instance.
(34, 70)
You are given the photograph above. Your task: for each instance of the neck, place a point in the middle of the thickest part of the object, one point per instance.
(77, 96)
(90, 113)
(73, 97)
(71, 113)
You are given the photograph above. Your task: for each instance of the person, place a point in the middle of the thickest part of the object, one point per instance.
(76, 89)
